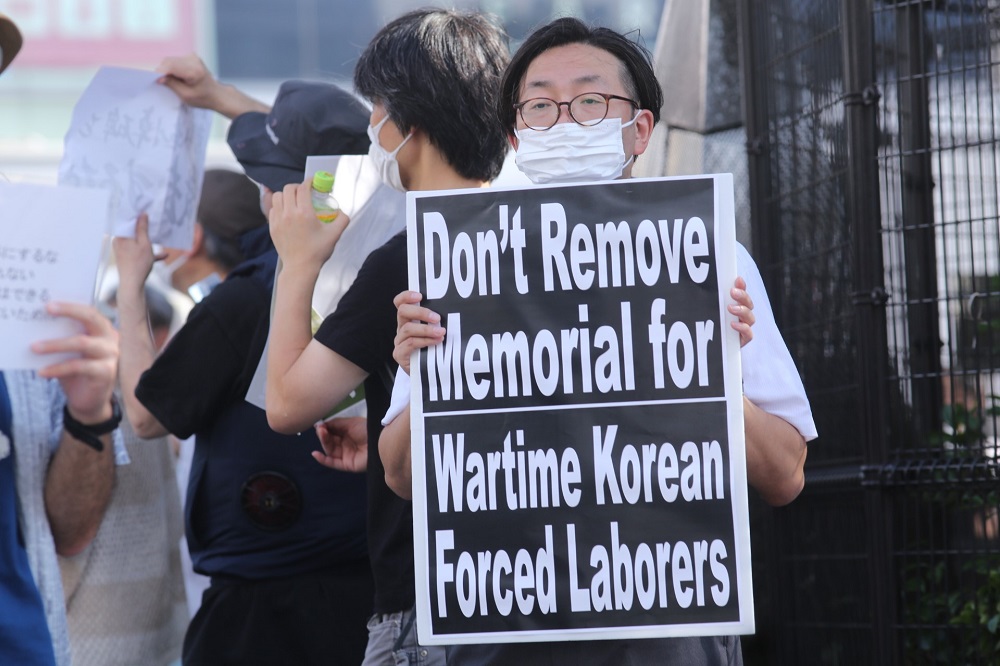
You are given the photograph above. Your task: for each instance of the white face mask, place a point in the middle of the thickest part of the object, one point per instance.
(384, 161)
(164, 272)
(264, 208)
(570, 153)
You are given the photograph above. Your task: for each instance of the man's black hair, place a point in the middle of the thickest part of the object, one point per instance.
(637, 68)
(229, 207)
(439, 71)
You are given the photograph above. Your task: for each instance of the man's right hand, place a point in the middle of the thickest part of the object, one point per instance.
(194, 84)
(190, 79)
(302, 241)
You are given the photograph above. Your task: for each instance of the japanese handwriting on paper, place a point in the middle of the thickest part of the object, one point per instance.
(141, 130)
(20, 298)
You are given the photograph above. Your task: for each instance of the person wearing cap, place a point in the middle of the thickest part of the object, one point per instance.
(420, 141)
(281, 537)
(57, 465)
(272, 142)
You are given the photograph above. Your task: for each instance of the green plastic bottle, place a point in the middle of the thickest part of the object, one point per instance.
(326, 207)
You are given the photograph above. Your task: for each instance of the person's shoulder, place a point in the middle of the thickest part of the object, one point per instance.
(384, 261)
(234, 298)
(260, 267)
(392, 247)
(256, 279)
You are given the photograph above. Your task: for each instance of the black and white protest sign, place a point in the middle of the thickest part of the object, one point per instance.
(578, 454)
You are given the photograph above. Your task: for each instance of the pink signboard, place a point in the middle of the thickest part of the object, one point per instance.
(84, 33)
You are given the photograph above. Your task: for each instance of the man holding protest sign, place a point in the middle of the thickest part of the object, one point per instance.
(432, 76)
(580, 105)
(56, 464)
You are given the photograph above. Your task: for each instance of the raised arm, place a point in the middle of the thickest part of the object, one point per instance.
(79, 480)
(134, 258)
(194, 84)
(305, 379)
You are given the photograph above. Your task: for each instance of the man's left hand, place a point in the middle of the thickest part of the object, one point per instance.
(345, 444)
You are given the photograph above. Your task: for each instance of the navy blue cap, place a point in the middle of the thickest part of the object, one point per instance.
(307, 118)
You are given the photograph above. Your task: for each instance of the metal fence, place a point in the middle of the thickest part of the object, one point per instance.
(873, 134)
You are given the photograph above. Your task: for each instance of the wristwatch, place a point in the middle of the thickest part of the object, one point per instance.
(90, 433)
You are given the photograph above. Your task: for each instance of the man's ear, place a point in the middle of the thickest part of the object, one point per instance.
(643, 131)
(512, 139)
(198, 243)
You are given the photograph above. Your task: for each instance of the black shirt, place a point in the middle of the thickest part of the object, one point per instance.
(258, 506)
(362, 330)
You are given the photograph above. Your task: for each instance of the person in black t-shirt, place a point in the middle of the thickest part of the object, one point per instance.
(282, 537)
(432, 76)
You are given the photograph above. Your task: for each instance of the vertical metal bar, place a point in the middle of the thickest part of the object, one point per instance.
(765, 225)
(864, 211)
(920, 253)
(754, 84)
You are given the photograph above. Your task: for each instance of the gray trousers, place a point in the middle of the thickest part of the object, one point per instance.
(392, 641)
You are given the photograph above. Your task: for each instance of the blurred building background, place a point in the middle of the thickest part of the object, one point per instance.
(864, 139)
(255, 44)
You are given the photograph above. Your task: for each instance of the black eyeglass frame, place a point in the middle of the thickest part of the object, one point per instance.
(519, 107)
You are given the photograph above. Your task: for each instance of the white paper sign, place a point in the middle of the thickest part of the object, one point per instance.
(136, 138)
(50, 248)
(377, 213)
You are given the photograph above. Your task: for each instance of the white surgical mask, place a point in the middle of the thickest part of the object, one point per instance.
(263, 199)
(570, 152)
(384, 161)
(164, 272)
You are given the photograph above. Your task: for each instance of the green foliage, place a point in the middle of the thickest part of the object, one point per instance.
(981, 614)
(950, 609)
(963, 428)
(948, 623)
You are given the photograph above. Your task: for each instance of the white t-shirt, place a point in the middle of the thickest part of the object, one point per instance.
(770, 379)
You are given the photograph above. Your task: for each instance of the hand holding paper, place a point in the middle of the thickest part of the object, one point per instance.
(190, 79)
(743, 310)
(417, 327)
(134, 257)
(88, 378)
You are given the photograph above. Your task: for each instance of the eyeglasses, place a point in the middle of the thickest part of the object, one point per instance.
(541, 113)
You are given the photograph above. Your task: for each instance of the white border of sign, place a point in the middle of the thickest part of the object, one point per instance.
(725, 253)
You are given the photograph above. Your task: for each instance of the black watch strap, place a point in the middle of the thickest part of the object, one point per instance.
(90, 434)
